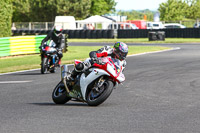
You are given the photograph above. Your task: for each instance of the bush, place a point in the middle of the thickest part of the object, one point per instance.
(5, 18)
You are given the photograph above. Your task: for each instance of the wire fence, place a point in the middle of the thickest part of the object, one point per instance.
(78, 25)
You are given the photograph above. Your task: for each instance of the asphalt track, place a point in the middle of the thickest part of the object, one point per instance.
(161, 94)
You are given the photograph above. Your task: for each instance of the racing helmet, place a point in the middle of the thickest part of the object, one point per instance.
(57, 30)
(120, 50)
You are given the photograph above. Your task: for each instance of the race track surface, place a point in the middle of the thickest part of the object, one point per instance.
(161, 94)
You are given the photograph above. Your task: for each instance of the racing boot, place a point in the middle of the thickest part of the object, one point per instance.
(71, 77)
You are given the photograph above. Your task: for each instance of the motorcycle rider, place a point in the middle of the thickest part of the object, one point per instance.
(56, 35)
(119, 51)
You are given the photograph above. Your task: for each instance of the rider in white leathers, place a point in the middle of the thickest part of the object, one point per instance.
(119, 51)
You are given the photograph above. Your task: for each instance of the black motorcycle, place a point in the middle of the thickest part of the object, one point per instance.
(49, 59)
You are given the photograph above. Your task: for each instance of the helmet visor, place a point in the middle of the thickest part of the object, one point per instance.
(120, 55)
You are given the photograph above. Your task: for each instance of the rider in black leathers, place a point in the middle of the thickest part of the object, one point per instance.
(57, 36)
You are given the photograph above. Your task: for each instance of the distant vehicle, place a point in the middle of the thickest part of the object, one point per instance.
(67, 22)
(122, 26)
(174, 25)
(155, 25)
(141, 24)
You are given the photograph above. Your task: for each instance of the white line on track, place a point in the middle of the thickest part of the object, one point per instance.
(19, 71)
(13, 82)
(177, 48)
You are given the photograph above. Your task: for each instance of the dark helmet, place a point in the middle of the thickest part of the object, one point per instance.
(57, 30)
(120, 50)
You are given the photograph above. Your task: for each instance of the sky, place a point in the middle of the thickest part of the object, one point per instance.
(138, 4)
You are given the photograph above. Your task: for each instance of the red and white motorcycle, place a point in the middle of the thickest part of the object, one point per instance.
(92, 86)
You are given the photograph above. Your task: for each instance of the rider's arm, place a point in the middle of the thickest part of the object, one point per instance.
(95, 54)
(103, 52)
(59, 44)
(123, 64)
(46, 38)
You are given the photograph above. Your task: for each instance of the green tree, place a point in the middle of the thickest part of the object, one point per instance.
(43, 10)
(46, 10)
(21, 11)
(173, 10)
(5, 17)
(77, 8)
(193, 11)
(100, 7)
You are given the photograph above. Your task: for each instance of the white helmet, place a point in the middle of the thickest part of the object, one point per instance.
(57, 30)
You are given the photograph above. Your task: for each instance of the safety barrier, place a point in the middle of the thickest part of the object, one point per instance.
(169, 33)
(20, 45)
(71, 33)
(129, 33)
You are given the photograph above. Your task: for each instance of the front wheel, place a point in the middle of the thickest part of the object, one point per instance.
(44, 65)
(95, 98)
(59, 94)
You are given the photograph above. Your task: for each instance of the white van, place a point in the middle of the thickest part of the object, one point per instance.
(155, 25)
(67, 22)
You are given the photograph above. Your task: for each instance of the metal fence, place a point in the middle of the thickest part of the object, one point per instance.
(82, 25)
(32, 25)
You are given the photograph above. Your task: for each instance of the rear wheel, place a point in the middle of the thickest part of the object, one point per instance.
(44, 65)
(59, 94)
(96, 98)
(53, 70)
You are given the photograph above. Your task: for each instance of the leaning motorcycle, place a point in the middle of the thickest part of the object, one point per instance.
(92, 86)
(49, 58)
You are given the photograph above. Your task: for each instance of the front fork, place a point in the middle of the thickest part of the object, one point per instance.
(99, 83)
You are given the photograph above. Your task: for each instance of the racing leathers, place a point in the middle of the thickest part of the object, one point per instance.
(57, 43)
(94, 55)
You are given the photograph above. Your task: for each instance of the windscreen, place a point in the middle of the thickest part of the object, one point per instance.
(117, 64)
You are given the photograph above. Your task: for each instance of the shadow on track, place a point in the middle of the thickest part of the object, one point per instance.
(27, 74)
(53, 104)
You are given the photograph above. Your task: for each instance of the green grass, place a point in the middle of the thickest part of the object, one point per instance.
(26, 62)
(140, 40)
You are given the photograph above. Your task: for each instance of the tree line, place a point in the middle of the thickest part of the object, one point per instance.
(46, 10)
(171, 10)
(138, 14)
(174, 10)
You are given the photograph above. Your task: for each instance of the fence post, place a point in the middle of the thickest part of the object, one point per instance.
(29, 25)
(46, 25)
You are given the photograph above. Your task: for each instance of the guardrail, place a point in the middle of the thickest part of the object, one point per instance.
(20, 45)
(169, 33)
(72, 33)
(129, 33)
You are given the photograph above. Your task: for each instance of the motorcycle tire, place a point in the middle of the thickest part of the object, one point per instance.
(53, 70)
(59, 94)
(44, 65)
(92, 101)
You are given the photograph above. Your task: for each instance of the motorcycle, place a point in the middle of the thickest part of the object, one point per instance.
(93, 86)
(49, 58)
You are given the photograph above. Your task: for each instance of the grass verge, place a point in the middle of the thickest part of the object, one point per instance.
(26, 62)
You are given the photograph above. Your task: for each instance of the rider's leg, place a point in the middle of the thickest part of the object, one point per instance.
(78, 68)
(60, 55)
